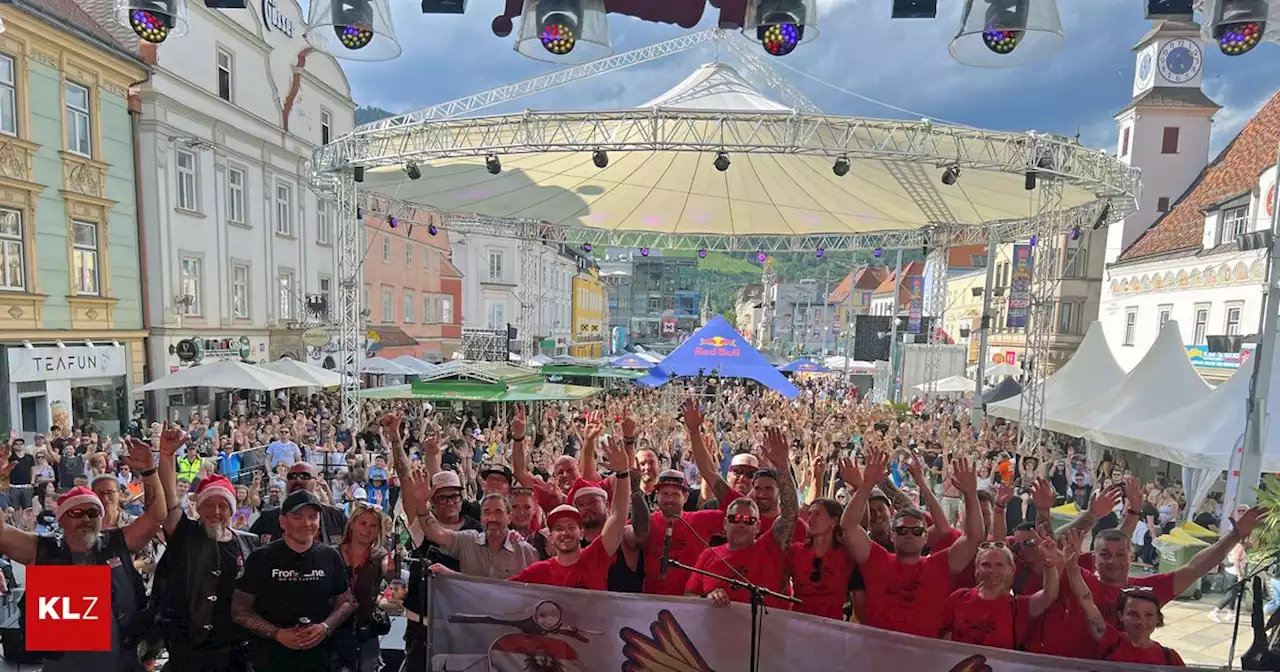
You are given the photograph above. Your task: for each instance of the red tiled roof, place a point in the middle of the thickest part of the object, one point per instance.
(841, 292)
(871, 277)
(1234, 171)
(72, 13)
(961, 257)
(913, 268)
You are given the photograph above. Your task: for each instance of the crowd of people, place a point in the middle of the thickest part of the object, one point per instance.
(295, 555)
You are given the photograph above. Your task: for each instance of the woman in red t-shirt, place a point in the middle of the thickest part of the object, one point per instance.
(820, 567)
(1140, 615)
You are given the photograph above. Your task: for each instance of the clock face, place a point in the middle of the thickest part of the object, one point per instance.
(1180, 61)
(1146, 68)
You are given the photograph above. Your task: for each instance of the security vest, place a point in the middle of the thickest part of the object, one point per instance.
(189, 468)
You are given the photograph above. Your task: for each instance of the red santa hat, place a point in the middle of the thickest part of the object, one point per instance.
(75, 498)
(216, 486)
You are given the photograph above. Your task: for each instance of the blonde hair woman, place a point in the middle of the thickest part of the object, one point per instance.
(356, 642)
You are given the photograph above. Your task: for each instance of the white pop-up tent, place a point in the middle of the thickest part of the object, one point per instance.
(1002, 370)
(1162, 381)
(381, 366)
(950, 385)
(1090, 370)
(414, 364)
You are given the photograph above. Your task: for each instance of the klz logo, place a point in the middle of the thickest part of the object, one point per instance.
(68, 608)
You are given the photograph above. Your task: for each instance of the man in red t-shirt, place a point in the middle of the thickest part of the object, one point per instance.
(748, 555)
(905, 591)
(990, 614)
(1063, 631)
(674, 533)
(572, 566)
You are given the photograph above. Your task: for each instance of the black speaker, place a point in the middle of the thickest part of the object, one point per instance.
(225, 4)
(357, 173)
(915, 9)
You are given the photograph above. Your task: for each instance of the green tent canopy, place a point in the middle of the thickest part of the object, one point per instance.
(482, 381)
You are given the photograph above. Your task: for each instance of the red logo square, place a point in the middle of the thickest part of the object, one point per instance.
(68, 608)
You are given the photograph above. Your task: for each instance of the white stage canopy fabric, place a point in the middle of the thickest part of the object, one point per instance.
(227, 374)
(1092, 368)
(385, 367)
(950, 385)
(319, 377)
(1162, 381)
(414, 364)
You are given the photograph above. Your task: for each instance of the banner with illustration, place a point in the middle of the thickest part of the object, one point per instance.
(915, 302)
(481, 625)
(1019, 287)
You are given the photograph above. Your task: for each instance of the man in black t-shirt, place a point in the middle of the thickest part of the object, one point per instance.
(302, 478)
(293, 594)
(21, 466)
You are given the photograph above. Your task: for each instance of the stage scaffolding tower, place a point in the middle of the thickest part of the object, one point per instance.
(1045, 276)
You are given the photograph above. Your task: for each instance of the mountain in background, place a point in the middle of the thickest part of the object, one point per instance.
(367, 114)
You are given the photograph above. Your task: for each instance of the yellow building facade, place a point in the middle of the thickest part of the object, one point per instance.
(589, 319)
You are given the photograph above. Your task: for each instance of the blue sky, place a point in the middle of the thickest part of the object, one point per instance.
(859, 49)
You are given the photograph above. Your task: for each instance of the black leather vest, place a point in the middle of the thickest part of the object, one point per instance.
(186, 584)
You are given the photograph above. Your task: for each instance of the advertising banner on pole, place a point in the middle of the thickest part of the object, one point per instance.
(1019, 287)
(915, 302)
(482, 625)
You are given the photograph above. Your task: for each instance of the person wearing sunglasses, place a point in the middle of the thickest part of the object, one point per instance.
(302, 476)
(990, 614)
(905, 590)
(758, 558)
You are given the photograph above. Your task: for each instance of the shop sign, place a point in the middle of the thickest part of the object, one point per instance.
(189, 350)
(315, 337)
(1201, 358)
(272, 17)
(67, 363)
(227, 348)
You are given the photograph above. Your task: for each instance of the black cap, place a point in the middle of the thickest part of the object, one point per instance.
(766, 473)
(500, 469)
(299, 499)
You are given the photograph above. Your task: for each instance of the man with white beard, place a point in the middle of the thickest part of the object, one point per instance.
(197, 574)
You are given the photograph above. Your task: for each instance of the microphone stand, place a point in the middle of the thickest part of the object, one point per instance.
(1239, 586)
(758, 593)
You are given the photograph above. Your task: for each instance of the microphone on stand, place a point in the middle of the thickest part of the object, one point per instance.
(666, 554)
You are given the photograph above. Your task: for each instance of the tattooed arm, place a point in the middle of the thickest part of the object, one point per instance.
(343, 607)
(244, 615)
(637, 533)
(777, 450)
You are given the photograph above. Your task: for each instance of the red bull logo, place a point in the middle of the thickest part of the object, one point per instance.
(717, 346)
(718, 342)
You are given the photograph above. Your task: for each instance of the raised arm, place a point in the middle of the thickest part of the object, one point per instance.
(999, 526)
(961, 554)
(587, 458)
(777, 450)
(1043, 496)
(1092, 615)
(707, 468)
(390, 426)
(941, 525)
(616, 524)
(519, 465)
(143, 529)
(637, 533)
(1101, 505)
(1208, 559)
(1053, 562)
(170, 441)
(855, 536)
(1132, 505)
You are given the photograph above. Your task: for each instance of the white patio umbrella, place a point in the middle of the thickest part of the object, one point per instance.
(319, 377)
(385, 367)
(414, 364)
(1003, 369)
(950, 385)
(227, 374)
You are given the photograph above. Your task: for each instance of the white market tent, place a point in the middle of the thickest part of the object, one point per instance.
(1162, 381)
(950, 385)
(381, 366)
(227, 374)
(1090, 369)
(318, 377)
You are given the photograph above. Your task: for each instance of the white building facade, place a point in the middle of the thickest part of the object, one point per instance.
(496, 286)
(1178, 257)
(240, 254)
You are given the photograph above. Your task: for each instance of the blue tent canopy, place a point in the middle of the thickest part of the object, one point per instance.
(630, 361)
(719, 348)
(803, 365)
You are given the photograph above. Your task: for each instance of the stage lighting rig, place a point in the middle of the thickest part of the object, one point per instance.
(841, 166)
(552, 29)
(780, 25)
(950, 175)
(492, 164)
(357, 30)
(153, 21)
(1239, 25)
(600, 158)
(993, 31)
(1006, 22)
(432, 229)
(914, 9)
(412, 170)
(702, 253)
(722, 161)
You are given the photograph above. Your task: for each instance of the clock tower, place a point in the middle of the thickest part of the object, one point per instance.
(1165, 129)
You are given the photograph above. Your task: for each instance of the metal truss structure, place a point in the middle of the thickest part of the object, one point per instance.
(350, 239)
(935, 305)
(485, 345)
(1045, 277)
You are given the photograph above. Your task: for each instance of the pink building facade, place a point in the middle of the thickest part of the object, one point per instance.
(412, 292)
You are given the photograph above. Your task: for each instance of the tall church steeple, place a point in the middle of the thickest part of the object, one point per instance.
(1165, 129)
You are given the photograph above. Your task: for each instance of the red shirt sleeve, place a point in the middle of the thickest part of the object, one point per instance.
(544, 500)
(1160, 584)
(706, 523)
(947, 541)
(531, 574)
(724, 503)
(695, 584)
(1111, 640)
(949, 610)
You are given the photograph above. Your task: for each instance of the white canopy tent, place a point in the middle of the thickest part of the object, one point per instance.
(318, 377)
(1163, 380)
(949, 385)
(1002, 370)
(380, 366)
(414, 364)
(227, 374)
(1090, 369)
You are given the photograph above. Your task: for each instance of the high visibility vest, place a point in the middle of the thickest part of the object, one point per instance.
(189, 468)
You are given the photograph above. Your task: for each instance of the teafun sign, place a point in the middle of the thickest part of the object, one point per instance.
(272, 17)
(66, 363)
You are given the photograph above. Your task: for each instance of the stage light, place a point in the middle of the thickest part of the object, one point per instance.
(586, 247)
(393, 222)
(1239, 25)
(722, 161)
(950, 175)
(780, 25)
(841, 166)
(1034, 240)
(761, 256)
(1006, 21)
(359, 212)
(153, 21)
(492, 164)
(779, 39)
(819, 252)
(1075, 233)
(877, 253)
(914, 9)
(600, 158)
(412, 169)
(431, 229)
(991, 31)
(702, 254)
(551, 30)
(358, 30)
(644, 251)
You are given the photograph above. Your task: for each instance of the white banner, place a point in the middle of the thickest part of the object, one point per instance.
(480, 625)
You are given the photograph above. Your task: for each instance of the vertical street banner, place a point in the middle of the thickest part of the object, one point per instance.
(482, 625)
(915, 302)
(1019, 287)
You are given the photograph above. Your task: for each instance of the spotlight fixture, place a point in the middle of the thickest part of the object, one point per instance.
(586, 247)
(600, 158)
(1034, 239)
(154, 21)
(761, 256)
(357, 173)
(779, 24)
(877, 253)
(1239, 25)
(559, 25)
(1074, 233)
(431, 229)
(779, 39)
(492, 164)
(644, 251)
(819, 252)
(722, 161)
(393, 222)
(950, 175)
(1005, 24)
(412, 169)
(702, 253)
(1102, 216)
(353, 23)
(841, 166)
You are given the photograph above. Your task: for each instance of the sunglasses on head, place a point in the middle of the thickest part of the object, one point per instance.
(300, 476)
(84, 513)
(742, 519)
(992, 544)
(912, 531)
